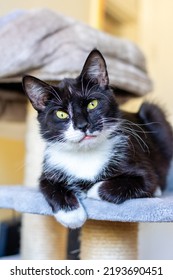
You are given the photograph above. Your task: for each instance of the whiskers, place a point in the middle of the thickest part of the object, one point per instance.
(135, 134)
(52, 140)
(123, 126)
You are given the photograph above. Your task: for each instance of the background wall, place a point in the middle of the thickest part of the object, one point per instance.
(156, 40)
(11, 162)
(82, 10)
(12, 152)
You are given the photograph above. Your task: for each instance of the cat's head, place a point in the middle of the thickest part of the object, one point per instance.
(78, 113)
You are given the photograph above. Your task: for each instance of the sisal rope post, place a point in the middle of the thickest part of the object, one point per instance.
(105, 240)
(41, 237)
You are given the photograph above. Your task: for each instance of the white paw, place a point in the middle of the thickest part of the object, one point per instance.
(157, 192)
(72, 219)
(94, 191)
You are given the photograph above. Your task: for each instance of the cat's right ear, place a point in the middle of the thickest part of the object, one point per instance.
(37, 92)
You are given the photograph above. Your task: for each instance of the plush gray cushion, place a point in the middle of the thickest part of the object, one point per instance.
(30, 200)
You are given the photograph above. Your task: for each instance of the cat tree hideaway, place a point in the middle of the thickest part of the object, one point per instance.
(51, 53)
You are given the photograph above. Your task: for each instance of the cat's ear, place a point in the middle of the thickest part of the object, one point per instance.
(37, 92)
(95, 69)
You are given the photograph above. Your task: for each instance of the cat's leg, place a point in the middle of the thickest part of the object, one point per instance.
(121, 188)
(65, 204)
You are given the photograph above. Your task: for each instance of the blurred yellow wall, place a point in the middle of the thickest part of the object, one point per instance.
(150, 25)
(87, 11)
(68, 7)
(12, 154)
(11, 161)
(156, 40)
(121, 18)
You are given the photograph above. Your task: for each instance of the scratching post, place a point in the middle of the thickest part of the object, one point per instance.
(109, 240)
(42, 237)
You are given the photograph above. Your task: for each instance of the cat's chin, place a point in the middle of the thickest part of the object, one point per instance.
(84, 145)
(87, 144)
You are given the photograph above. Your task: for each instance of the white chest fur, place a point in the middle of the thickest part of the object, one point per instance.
(84, 165)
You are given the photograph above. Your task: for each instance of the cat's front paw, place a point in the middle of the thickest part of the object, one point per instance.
(71, 218)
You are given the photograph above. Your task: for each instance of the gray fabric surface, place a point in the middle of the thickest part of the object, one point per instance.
(30, 200)
(51, 46)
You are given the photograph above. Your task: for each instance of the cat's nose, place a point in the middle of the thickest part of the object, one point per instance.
(82, 124)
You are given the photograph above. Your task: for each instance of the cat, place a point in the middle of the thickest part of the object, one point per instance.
(94, 149)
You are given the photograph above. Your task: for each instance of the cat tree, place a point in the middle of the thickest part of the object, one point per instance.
(51, 53)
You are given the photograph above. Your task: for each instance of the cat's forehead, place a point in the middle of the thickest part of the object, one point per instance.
(70, 87)
(73, 90)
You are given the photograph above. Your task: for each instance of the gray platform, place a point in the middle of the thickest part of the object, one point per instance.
(30, 200)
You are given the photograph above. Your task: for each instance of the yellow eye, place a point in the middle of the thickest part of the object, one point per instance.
(93, 104)
(62, 115)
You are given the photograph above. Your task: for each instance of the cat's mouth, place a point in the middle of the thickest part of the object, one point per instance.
(87, 137)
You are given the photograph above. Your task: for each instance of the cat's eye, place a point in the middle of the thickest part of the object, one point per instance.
(62, 115)
(93, 104)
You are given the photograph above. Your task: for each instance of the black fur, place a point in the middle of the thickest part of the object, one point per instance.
(146, 154)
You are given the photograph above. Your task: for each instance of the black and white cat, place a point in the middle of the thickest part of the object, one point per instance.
(94, 149)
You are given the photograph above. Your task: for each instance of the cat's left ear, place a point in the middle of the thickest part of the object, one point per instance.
(95, 69)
